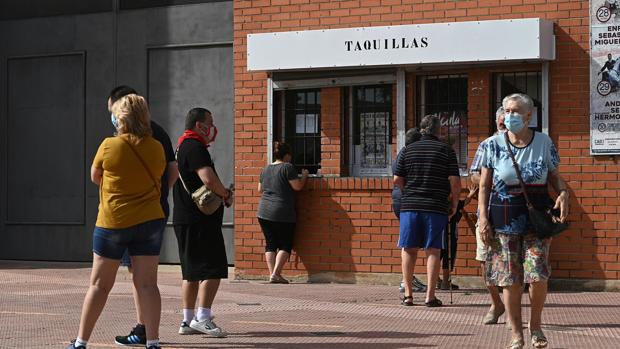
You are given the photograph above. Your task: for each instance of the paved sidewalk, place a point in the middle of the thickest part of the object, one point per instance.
(40, 305)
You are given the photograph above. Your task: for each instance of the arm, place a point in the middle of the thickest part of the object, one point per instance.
(559, 186)
(210, 179)
(96, 174)
(260, 188)
(483, 205)
(298, 184)
(399, 182)
(173, 173)
(455, 190)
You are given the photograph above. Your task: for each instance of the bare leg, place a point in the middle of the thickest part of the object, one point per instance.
(445, 279)
(135, 299)
(408, 258)
(497, 306)
(208, 290)
(538, 295)
(271, 261)
(189, 293)
(281, 259)
(102, 279)
(432, 271)
(512, 295)
(145, 283)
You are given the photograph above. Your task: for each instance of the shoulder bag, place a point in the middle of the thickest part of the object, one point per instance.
(544, 223)
(207, 201)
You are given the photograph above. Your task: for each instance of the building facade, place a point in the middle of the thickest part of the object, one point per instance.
(341, 81)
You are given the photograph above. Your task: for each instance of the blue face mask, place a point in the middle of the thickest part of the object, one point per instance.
(514, 122)
(114, 121)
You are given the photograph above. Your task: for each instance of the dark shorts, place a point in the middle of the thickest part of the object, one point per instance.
(422, 229)
(143, 239)
(201, 248)
(278, 235)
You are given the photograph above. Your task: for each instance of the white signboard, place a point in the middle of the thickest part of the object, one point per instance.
(604, 77)
(458, 42)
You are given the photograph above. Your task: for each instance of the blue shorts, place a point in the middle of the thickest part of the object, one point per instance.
(419, 229)
(143, 239)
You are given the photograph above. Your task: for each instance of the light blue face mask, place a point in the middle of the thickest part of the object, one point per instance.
(514, 122)
(114, 121)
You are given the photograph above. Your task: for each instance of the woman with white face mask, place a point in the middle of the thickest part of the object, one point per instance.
(516, 255)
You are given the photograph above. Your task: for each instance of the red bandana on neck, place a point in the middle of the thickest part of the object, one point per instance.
(189, 134)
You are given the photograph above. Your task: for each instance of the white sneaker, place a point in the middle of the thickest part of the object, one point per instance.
(209, 327)
(185, 329)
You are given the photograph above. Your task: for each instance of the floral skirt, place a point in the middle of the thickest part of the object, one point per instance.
(517, 259)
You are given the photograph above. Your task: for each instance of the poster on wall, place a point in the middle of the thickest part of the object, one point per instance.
(454, 131)
(604, 77)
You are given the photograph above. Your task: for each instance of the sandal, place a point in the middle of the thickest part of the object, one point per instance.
(277, 279)
(407, 301)
(538, 339)
(516, 343)
(491, 318)
(434, 303)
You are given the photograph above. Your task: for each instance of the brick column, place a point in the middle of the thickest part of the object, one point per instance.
(330, 131)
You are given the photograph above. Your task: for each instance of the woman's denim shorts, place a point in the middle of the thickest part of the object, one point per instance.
(143, 239)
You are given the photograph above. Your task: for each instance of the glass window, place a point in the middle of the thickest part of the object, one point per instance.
(445, 96)
(371, 130)
(529, 83)
(302, 127)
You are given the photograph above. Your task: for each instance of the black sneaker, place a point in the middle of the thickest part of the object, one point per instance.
(72, 346)
(154, 347)
(135, 338)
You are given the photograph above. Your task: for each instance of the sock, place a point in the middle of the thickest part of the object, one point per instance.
(152, 342)
(79, 341)
(203, 314)
(188, 315)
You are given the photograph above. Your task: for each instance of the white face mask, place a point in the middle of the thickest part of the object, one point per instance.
(514, 122)
(114, 121)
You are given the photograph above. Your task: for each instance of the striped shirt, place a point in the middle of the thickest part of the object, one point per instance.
(426, 166)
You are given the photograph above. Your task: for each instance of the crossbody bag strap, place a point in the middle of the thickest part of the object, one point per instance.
(176, 152)
(516, 166)
(143, 164)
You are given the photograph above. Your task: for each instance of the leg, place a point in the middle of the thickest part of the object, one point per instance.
(208, 290)
(432, 271)
(281, 259)
(512, 295)
(102, 280)
(270, 256)
(149, 299)
(538, 295)
(408, 258)
(497, 306)
(189, 293)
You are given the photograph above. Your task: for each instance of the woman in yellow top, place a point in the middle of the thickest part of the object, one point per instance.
(127, 169)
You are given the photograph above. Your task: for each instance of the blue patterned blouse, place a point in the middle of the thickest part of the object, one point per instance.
(507, 205)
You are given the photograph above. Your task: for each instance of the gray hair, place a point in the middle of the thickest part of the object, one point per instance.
(500, 111)
(429, 125)
(522, 99)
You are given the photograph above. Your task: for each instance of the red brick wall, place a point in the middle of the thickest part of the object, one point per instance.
(345, 224)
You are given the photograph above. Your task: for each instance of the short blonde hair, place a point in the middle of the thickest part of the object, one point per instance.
(133, 116)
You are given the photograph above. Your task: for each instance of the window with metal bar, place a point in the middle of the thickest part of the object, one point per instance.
(445, 96)
(302, 127)
(529, 83)
(371, 130)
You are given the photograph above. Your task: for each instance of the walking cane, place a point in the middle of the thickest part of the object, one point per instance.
(449, 253)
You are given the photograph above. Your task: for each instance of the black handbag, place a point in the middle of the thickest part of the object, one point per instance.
(545, 222)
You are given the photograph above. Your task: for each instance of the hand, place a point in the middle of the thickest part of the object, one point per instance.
(304, 173)
(562, 203)
(486, 231)
(230, 199)
(473, 189)
(452, 211)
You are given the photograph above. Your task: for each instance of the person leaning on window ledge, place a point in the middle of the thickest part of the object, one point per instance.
(276, 209)
(516, 255)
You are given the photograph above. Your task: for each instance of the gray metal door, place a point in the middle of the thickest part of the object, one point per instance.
(56, 73)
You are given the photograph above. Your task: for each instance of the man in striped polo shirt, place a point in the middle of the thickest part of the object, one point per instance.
(428, 173)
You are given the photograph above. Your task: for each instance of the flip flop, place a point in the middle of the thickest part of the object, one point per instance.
(491, 318)
(407, 301)
(516, 344)
(538, 339)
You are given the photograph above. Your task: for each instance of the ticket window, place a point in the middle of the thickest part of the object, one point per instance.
(445, 96)
(530, 83)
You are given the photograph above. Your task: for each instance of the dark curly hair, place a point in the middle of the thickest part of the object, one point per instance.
(280, 150)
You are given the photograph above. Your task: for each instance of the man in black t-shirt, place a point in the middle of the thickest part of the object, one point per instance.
(427, 173)
(138, 333)
(201, 243)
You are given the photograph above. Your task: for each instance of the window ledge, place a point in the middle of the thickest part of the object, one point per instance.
(349, 183)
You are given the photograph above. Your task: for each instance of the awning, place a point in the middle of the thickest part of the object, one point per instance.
(528, 39)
